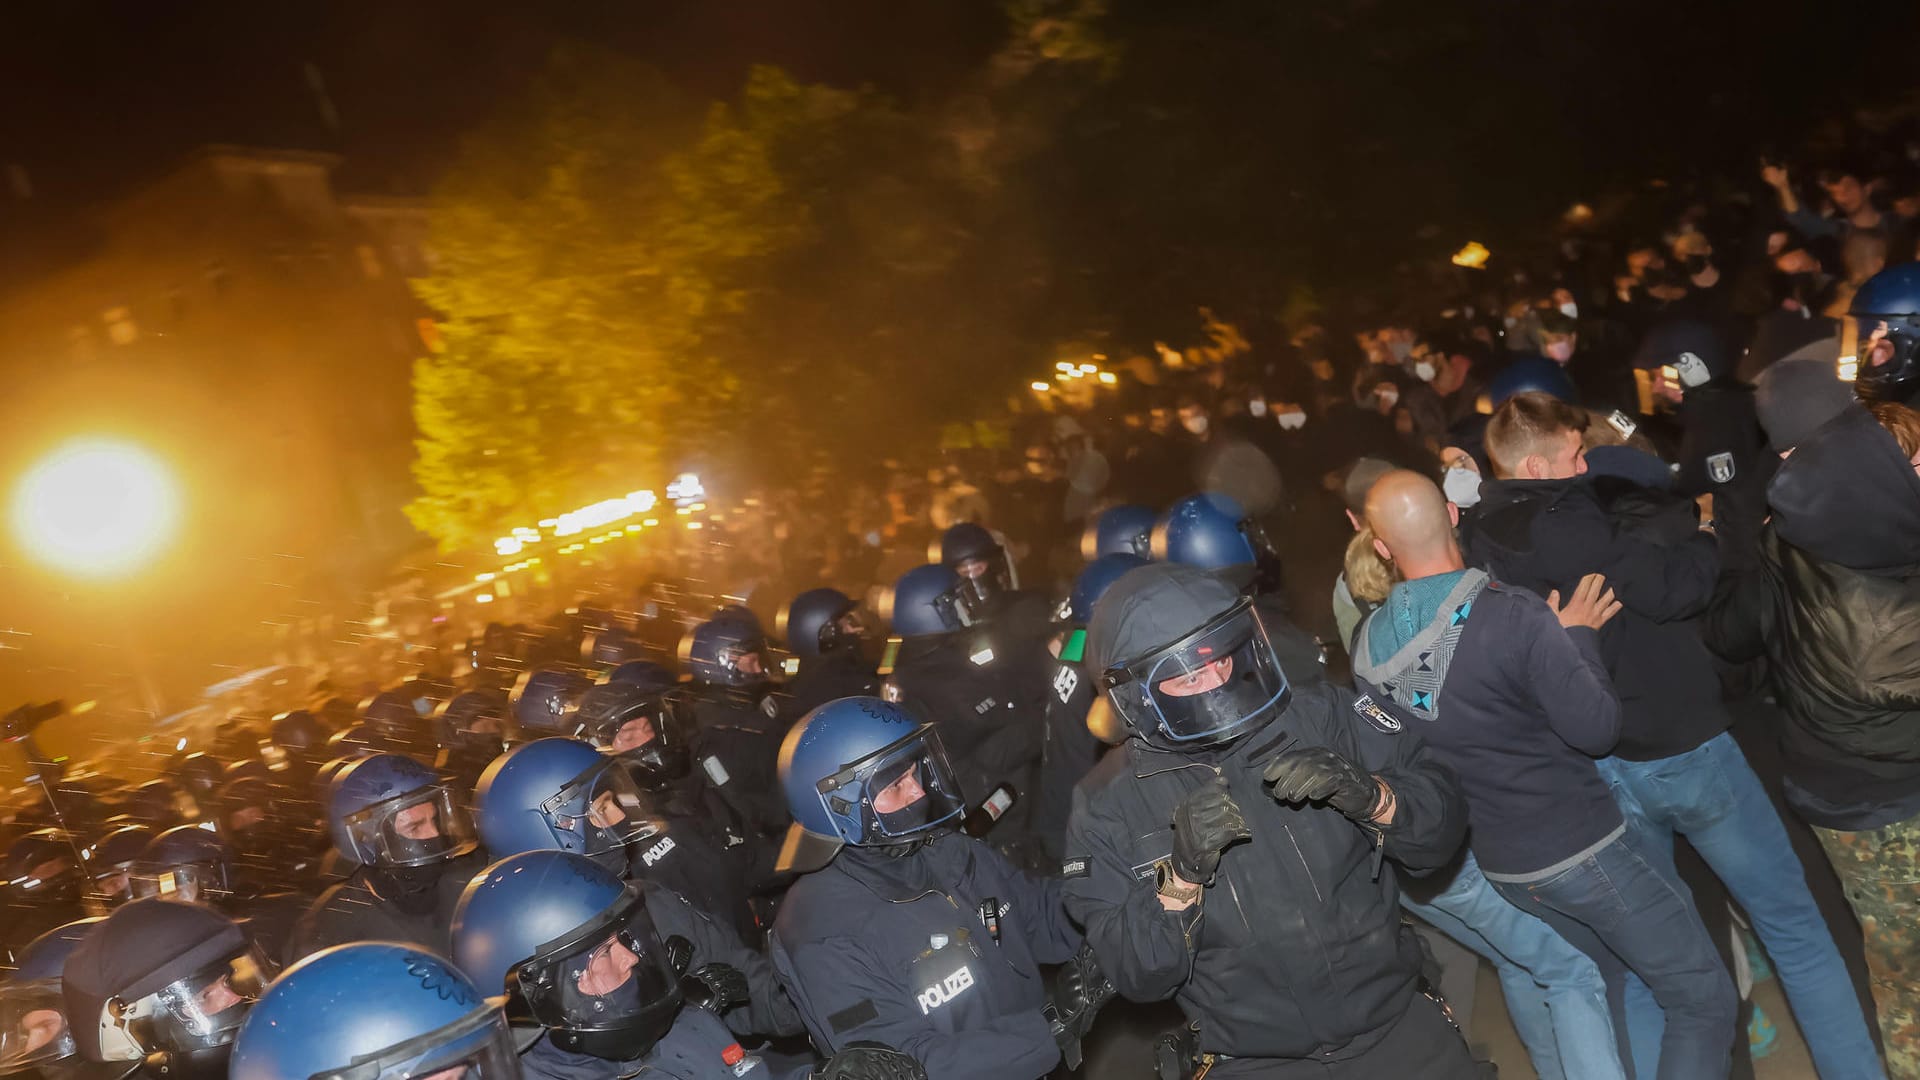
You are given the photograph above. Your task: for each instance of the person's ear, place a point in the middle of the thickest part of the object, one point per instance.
(1357, 523)
(1380, 549)
(1453, 514)
(1533, 467)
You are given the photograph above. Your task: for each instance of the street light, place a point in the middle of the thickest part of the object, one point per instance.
(96, 508)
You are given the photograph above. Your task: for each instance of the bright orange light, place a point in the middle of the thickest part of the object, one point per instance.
(96, 508)
(1109, 378)
(1474, 256)
(1040, 387)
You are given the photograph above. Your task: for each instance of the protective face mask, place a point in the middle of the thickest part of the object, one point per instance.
(1693, 370)
(1387, 396)
(1292, 421)
(1424, 371)
(1462, 486)
(1257, 407)
(1570, 309)
(1559, 352)
(1195, 424)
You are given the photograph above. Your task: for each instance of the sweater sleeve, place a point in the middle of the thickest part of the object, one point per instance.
(1568, 681)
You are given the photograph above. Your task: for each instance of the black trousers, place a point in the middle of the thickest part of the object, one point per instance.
(1421, 1045)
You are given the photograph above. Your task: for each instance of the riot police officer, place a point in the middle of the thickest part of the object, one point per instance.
(543, 700)
(1229, 856)
(988, 700)
(1882, 333)
(163, 988)
(375, 1010)
(645, 674)
(472, 728)
(737, 715)
(42, 881)
(563, 795)
(622, 977)
(1210, 531)
(905, 932)
(822, 629)
(413, 849)
(195, 866)
(1070, 749)
(34, 1034)
(990, 586)
(1723, 452)
(110, 862)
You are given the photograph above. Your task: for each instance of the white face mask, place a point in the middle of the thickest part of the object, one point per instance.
(1559, 352)
(1258, 406)
(1462, 486)
(1195, 424)
(1570, 309)
(1388, 396)
(1292, 421)
(1424, 371)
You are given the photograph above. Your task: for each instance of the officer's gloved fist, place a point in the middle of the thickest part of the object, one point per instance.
(870, 1061)
(1317, 774)
(714, 987)
(1204, 824)
(1080, 988)
(679, 954)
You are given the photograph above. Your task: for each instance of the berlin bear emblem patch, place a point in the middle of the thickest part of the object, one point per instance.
(1720, 467)
(1375, 715)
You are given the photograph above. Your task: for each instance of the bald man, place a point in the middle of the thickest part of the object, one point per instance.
(1512, 694)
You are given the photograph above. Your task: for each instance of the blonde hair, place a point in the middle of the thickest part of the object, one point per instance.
(1369, 577)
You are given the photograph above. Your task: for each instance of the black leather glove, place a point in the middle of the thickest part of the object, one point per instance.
(1317, 774)
(1204, 824)
(1079, 989)
(870, 1061)
(714, 987)
(679, 953)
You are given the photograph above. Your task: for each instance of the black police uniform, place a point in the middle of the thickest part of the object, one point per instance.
(1296, 953)
(692, 856)
(829, 677)
(988, 700)
(1068, 752)
(1724, 452)
(934, 953)
(365, 908)
(736, 741)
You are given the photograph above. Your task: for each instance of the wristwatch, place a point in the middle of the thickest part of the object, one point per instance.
(1167, 885)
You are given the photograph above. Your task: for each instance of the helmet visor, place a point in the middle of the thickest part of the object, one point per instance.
(204, 1009)
(33, 1025)
(1211, 685)
(901, 791)
(607, 990)
(478, 1046)
(192, 883)
(603, 807)
(414, 829)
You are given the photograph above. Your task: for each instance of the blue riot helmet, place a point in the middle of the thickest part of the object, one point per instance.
(198, 772)
(643, 728)
(299, 734)
(611, 647)
(475, 719)
(560, 795)
(984, 569)
(1882, 333)
(1119, 530)
(1210, 531)
(185, 863)
(375, 1010)
(1094, 581)
(165, 985)
(1183, 658)
(926, 601)
(391, 716)
(644, 674)
(386, 810)
(726, 650)
(110, 864)
(41, 869)
(813, 623)
(1532, 374)
(543, 700)
(33, 1015)
(573, 948)
(863, 771)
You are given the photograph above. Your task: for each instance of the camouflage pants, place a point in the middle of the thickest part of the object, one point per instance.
(1879, 870)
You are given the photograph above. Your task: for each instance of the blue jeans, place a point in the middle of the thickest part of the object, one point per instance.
(1711, 796)
(1554, 992)
(1622, 912)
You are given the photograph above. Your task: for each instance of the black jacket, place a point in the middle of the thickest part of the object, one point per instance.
(1547, 534)
(988, 696)
(827, 678)
(1297, 949)
(736, 742)
(1835, 606)
(854, 948)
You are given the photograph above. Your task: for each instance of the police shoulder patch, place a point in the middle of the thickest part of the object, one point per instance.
(1074, 867)
(769, 706)
(1720, 467)
(1373, 714)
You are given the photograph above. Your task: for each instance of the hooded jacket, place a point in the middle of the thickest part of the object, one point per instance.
(1545, 535)
(1835, 606)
